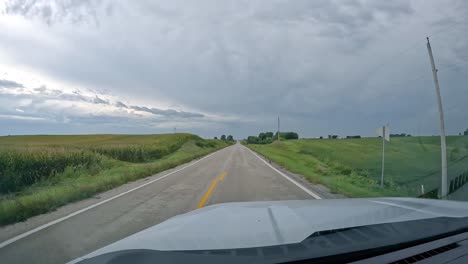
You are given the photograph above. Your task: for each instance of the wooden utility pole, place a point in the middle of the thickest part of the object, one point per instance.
(443, 147)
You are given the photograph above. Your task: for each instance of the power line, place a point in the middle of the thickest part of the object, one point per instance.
(450, 28)
(397, 54)
(417, 78)
(454, 64)
(385, 62)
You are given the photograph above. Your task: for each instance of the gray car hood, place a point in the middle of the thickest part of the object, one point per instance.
(256, 224)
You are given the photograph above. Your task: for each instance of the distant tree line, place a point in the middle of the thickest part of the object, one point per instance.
(228, 138)
(263, 138)
(289, 135)
(400, 135)
(269, 137)
(466, 132)
(358, 136)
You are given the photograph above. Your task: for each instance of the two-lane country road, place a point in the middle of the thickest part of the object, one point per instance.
(232, 174)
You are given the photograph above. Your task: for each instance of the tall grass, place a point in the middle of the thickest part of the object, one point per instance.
(353, 166)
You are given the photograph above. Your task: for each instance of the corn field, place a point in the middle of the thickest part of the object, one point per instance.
(26, 160)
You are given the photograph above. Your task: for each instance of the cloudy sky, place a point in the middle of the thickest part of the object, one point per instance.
(213, 67)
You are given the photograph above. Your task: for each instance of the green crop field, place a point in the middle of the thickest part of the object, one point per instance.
(40, 173)
(353, 166)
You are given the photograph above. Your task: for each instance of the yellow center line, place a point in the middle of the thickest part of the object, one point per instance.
(223, 175)
(210, 190)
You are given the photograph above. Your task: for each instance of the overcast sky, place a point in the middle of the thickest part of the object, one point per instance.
(215, 67)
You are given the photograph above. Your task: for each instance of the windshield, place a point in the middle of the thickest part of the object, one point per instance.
(120, 116)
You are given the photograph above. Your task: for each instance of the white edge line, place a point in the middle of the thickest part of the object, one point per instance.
(56, 221)
(309, 192)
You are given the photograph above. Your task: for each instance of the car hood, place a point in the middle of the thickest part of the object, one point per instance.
(257, 224)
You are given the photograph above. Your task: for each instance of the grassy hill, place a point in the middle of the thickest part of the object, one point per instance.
(40, 173)
(353, 166)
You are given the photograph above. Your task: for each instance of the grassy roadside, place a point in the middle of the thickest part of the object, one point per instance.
(79, 182)
(352, 166)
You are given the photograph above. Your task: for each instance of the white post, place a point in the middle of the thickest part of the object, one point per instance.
(443, 147)
(383, 156)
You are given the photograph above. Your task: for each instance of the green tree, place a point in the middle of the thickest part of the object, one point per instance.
(287, 135)
(223, 137)
(215, 137)
(262, 136)
(290, 135)
(253, 140)
(269, 134)
(230, 138)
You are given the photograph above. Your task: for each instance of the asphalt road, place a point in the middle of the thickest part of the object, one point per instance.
(233, 174)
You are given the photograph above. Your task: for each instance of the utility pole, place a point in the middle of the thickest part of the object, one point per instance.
(278, 129)
(383, 132)
(383, 155)
(443, 191)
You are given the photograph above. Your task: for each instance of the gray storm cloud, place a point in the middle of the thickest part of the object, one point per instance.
(323, 66)
(42, 104)
(8, 84)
